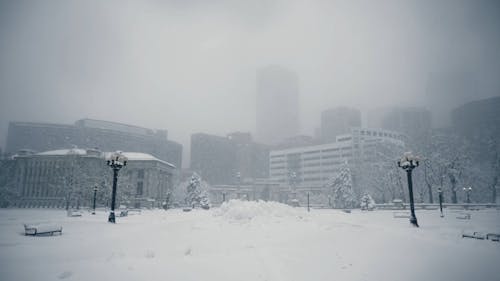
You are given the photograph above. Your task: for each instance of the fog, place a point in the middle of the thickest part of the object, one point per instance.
(190, 66)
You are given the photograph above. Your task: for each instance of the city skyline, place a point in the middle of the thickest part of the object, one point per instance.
(192, 67)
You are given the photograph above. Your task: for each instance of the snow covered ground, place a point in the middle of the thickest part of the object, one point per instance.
(249, 241)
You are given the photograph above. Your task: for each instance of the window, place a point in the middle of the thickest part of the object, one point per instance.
(139, 188)
(140, 174)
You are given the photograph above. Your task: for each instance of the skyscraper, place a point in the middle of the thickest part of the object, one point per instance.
(448, 90)
(277, 104)
(478, 119)
(338, 121)
(415, 122)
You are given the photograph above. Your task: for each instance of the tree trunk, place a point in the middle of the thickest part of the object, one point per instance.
(429, 189)
(453, 182)
(494, 190)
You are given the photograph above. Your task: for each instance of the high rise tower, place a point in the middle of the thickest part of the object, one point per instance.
(277, 104)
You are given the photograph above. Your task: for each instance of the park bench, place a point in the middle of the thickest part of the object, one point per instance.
(465, 216)
(40, 229)
(401, 215)
(493, 237)
(74, 213)
(475, 235)
(481, 236)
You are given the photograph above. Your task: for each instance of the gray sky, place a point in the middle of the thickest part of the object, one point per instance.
(189, 66)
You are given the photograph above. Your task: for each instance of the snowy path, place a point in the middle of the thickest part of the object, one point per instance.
(200, 245)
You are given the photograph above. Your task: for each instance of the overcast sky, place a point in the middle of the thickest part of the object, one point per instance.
(190, 66)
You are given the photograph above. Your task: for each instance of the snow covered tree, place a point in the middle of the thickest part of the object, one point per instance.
(342, 191)
(446, 157)
(367, 202)
(196, 192)
(9, 190)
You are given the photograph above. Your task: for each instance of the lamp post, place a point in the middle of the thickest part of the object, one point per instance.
(467, 192)
(440, 192)
(409, 162)
(95, 195)
(116, 162)
(238, 179)
(308, 207)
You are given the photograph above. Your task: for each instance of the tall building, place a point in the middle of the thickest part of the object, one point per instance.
(446, 91)
(415, 122)
(338, 121)
(478, 119)
(277, 104)
(228, 160)
(104, 135)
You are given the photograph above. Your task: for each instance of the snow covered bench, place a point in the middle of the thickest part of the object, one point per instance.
(401, 215)
(74, 213)
(481, 236)
(465, 216)
(37, 229)
(493, 237)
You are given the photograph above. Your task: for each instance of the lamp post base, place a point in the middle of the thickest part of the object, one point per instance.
(413, 220)
(111, 217)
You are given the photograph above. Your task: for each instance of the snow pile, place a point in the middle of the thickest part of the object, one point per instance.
(248, 210)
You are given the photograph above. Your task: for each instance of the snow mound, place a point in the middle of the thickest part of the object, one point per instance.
(248, 210)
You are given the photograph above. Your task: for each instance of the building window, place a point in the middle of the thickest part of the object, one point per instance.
(140, 174)
(139, 188)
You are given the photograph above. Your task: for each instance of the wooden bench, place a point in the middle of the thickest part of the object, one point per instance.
(42, 229)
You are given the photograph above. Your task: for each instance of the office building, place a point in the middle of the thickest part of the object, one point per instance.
(277, 104)
(338, 121)
(104, 135)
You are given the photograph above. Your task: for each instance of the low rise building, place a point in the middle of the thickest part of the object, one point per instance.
(67, 177)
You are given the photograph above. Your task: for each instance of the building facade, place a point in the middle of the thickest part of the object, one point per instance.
(478, 119)
(314, 166)
(104, 135)
(228, 160)
(67, 177)
(414, 122)
(338, 121)
(277, 104)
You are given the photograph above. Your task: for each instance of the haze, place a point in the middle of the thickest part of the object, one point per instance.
(190, 66)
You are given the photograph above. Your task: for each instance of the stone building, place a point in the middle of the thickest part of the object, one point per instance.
(67, 177)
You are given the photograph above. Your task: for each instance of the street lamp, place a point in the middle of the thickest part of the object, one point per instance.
(95, 195)
(467, 192)
(308, 206)
(116, 161)
(409, 162)
(440, 192)
(238, 179)
(293, 179)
